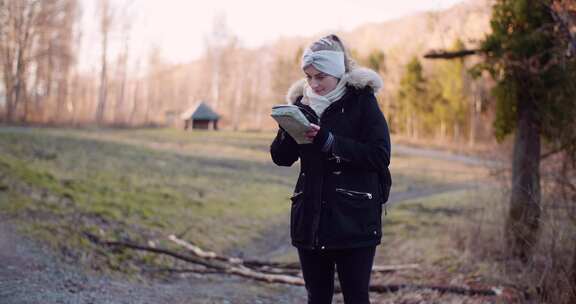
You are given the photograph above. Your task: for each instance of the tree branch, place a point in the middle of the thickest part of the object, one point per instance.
(243, 271)
(238, 270)
(563, 147)
(271, 266)
(440, 289)
(441, 54)
(212, 255)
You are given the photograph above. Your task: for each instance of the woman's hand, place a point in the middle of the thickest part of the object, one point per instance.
(312, 132)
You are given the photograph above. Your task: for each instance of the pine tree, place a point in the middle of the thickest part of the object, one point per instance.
(453, 91)
(412, 97)
(376, 61)
(532, 101)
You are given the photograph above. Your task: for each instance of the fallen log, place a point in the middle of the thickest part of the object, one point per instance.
(212, 255)
(264, 277)
(190, 259)
(184, 270)
(441, 289)
(273, 267)
(392, 268)
(219, 266)
(197, 250)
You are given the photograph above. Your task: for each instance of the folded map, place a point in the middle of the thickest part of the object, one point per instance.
(291, 119)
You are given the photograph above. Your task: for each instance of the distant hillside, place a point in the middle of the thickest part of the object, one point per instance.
(276, 63)
(403, 38)
(468, 21)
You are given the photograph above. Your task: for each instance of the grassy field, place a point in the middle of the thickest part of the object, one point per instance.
(218, 190)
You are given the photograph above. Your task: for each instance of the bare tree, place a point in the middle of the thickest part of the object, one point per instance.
(239, 85)
(74, 96)
(219, 44)
(16, 33)
(59, 23)
(135, 97)
(106, 20)
(122, 64)
(157, 86)
(36, 53)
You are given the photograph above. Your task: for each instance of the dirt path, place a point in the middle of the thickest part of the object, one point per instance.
(30, 274)
(444, 155)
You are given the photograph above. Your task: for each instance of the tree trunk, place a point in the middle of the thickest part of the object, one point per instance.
(118, 111)
(103, 91)
(415, 127)
(236, 112)
(456, 130)
(573, 279)
(442, 130)
(473, 112)
(9, 114)
(524, 215)
(105, 24)
(19, 88)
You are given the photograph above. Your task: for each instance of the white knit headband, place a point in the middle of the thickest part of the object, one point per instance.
(329, 62)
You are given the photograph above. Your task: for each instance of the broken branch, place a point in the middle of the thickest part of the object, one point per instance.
(222, 266)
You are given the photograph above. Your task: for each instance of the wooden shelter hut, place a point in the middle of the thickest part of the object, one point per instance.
(200, 117)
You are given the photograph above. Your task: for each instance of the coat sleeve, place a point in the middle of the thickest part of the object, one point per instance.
(284, 149)
(373, 153)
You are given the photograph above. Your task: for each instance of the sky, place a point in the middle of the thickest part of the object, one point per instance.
(180, 27)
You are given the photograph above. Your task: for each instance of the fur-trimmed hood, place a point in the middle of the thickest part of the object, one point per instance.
(358, 77)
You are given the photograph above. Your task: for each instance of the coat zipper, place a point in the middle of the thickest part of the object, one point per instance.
(315, 232)
(352, 193)
(296, 194)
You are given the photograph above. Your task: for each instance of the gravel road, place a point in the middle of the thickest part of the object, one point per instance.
(31, 274)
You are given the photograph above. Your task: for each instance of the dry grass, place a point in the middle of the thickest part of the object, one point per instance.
(548, 276)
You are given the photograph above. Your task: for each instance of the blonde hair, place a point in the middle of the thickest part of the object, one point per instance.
(333, 43)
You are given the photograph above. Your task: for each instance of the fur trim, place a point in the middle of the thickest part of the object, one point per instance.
(296, 90)
(359, 78)
(364, 77)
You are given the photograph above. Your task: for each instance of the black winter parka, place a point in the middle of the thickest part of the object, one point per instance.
(338, 198)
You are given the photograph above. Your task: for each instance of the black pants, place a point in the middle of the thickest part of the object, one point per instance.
(353, 265)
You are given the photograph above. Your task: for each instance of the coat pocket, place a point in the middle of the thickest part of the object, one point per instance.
(296, 195)
(355, 216)
(296, 216)
(300, 185)
(357, 195)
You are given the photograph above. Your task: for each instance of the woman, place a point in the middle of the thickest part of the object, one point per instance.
(344, 178)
